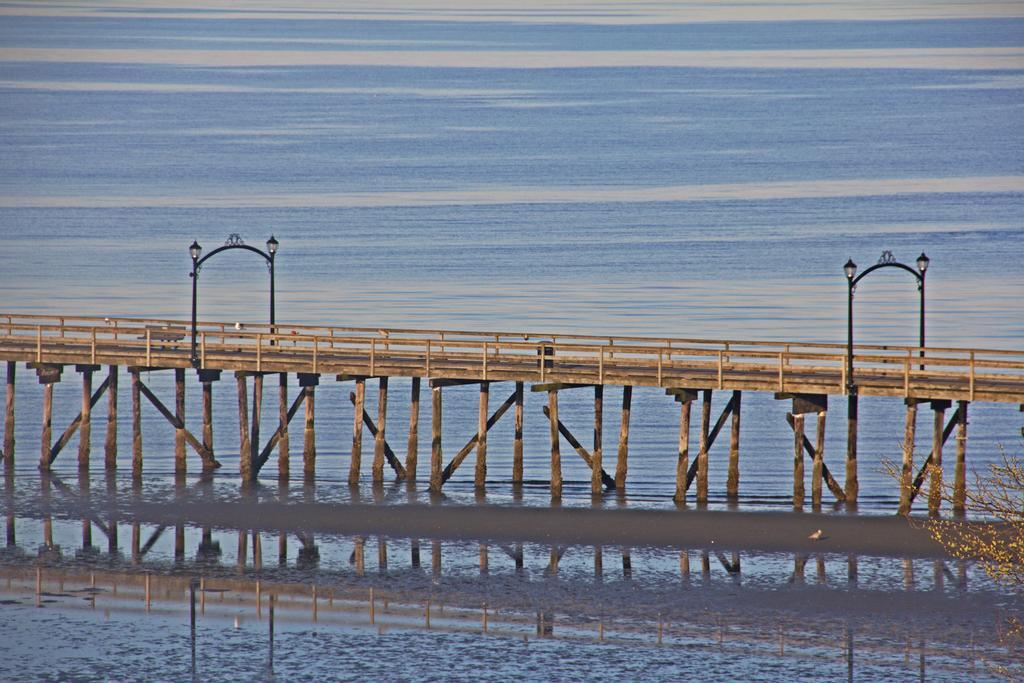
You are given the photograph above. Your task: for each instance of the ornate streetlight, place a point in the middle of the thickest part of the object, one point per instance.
(886, 261)
(233, 242)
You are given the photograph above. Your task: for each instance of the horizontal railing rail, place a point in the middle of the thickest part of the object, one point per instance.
(501, 355)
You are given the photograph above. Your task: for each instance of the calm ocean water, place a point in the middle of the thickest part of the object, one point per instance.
(543, 193)
(678, 169)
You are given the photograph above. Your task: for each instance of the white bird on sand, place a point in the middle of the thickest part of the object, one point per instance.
(816, 536)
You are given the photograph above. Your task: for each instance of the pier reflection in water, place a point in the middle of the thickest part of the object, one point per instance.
(119, 594)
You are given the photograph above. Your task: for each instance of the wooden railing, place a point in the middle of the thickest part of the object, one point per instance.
(967, 374)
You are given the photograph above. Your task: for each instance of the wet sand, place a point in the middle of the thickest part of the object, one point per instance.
(764, 531)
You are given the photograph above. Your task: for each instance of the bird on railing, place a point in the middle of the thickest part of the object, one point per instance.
(239, 326)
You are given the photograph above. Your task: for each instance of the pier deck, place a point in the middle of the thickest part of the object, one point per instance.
(785, 367)
(688, 370)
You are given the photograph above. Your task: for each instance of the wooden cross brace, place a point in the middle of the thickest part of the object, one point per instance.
(209, 463)
(392, 459)
(92, 519)
(264, 455)
(726, 412)
(834, 487)
(609, 482)
(449, 470)
(556, 558)
(73, 427)
(516, 553)
(157, 533)
(919, 479)
(730, 567)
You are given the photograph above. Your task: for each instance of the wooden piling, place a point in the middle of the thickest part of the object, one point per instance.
(85, 420)
(243, 548)
(596, 464)
(179, 413)
(257, 414)
(208, 416)
(283, 447)
(907, 472)
(556, 456)
(85, 425)
(9, 418)
(179, 542)
(357, 434)
(960, 475)
(110, 443)
(244, 447)
(436, 463)
(480, 473)
(412, 454)
(435, 559)
(309, 430)
(935, 489)
(702, 454)
(852, 487)
(136, 425)
(732, 483)
(517, 443)
(379, 437)
(47, 435)
(798, 460)
(621, 466)
(112, 537)
(683, 462)
(818, 465)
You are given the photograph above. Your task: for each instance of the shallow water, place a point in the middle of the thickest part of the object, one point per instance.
(690, 199)
(460, 609)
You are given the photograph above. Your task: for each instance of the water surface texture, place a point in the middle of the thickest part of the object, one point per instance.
(672, 170)
(666, 169)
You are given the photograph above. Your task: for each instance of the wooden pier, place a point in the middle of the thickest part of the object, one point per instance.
(688, 370)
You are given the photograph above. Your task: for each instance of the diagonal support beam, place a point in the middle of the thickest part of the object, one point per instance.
(609, 482)
(919, 479)
(726, 412)
(208, 460)
(515, 553)
(730, 567)
(68, 490)
(833, 486)
(557, 553)
(73, 427)
(157, 533)
(465, 450)
(392, 459)
(276, 436)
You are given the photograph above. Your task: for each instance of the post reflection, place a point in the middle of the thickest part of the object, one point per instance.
(518, 589)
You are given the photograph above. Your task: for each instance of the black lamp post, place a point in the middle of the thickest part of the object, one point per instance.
(886, 261)
(233, 242)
